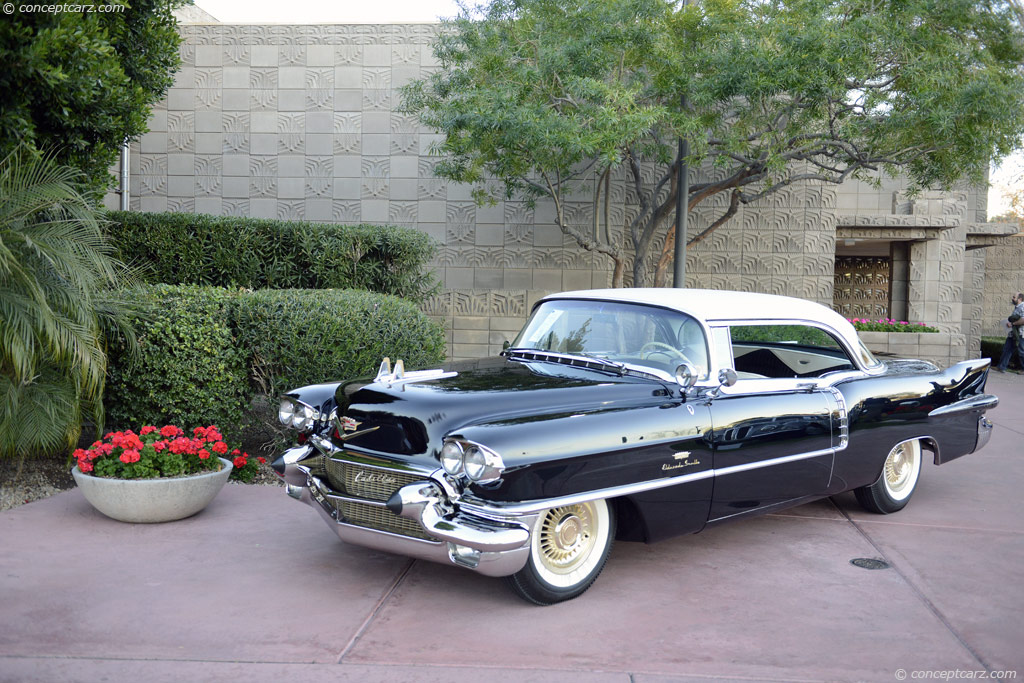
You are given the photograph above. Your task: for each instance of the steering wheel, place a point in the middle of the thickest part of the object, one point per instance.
(663, 349)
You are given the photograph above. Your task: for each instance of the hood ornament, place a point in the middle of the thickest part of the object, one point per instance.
(399, 377)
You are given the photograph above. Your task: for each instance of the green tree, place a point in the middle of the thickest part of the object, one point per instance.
(81, 82)
(555, 98)
(56, 281)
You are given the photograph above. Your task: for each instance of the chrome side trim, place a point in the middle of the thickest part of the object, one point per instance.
(979, 402)
(774, 461)
(491, 510)
(498, 511)
(842, 421)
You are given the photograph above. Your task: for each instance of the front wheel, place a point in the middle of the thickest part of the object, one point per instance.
(899, 477)
(568, 549)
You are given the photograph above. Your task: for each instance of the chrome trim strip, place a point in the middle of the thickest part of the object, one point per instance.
(489, 509)
(774, 461)
(331, 495)
(843, 421)
(979, 402)
(498, 511)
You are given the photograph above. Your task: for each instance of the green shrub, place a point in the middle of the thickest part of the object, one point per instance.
(206, 352)
(228, 251)
(299, 337)
(189, 369)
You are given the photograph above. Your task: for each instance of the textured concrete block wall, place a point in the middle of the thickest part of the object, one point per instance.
(1004, 275)
(782, 244)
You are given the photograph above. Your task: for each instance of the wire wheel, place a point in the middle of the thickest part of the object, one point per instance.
(892, 490)
(901, 469)
(566, 537)
(568, 548)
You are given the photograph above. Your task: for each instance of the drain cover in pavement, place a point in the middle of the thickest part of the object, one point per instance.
(869, 563)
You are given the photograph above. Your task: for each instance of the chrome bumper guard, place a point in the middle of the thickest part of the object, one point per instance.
(984, 432)
(492, 547)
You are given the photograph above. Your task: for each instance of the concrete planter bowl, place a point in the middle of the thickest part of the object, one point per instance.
(145, 501)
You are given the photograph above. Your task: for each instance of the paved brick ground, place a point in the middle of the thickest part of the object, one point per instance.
(257, 587)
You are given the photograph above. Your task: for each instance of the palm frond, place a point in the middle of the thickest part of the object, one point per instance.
(58, 303)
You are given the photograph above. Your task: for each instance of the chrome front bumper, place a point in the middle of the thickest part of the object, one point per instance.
(497, 544)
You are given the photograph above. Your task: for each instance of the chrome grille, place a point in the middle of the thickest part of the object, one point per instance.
(352, 479)
(377, 518)
(356, 480)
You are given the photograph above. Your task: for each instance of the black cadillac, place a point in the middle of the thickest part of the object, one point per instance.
(631, 414)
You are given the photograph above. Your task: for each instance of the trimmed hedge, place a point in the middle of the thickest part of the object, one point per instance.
(299, 337)
(253, 253)
(189, 369)
(206, 352)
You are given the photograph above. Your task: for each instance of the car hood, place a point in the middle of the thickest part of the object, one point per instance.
(412, 420)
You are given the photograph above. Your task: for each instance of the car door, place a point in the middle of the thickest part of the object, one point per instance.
(775, 430)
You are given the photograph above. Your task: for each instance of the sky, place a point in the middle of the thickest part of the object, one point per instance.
(398, 11)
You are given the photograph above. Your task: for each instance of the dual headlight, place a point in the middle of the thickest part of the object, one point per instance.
(480, 464)
(297, 415)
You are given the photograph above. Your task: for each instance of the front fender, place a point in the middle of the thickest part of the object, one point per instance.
(319, 396)
(553, 455)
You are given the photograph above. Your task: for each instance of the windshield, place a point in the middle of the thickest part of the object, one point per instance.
(620, 332)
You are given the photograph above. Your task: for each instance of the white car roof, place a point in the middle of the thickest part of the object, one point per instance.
(711, 305)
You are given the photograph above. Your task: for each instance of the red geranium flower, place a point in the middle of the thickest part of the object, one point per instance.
(240, 461)
(129, 456)
(203, 454)
(220, 447)
(147, 430)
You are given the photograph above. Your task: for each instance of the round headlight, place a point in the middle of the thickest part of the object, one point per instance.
(482, 466)
(285, 411)
(451, 458)
(303, 418)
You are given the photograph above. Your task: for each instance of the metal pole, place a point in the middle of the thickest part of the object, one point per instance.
(682, 210)
(125, 180)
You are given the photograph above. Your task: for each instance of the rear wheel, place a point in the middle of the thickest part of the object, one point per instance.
(568, 549)
(899, 477)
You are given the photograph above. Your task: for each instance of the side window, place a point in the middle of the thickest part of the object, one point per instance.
(782, 351)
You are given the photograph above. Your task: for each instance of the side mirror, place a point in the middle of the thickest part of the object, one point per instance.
(727, 377)
(505, 344)
(686, 375)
